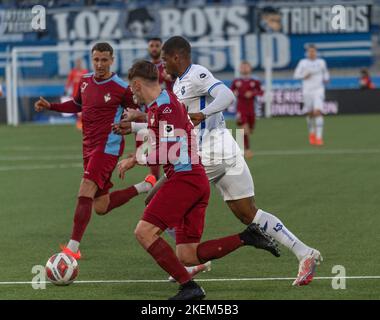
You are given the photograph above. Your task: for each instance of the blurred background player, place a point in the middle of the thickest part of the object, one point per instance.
(246, 89)
(72, 86)
(365, 81)
(1, 90)
(154, 49)
(314, 74)
(101, 97)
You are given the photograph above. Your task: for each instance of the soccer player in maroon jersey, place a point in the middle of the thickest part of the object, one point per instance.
(246, 89)
(182, 201)
(101, 98)
(165, 80)
(154, 50)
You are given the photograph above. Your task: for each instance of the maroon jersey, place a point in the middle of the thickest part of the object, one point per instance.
(173, 143)
(102, 103)
(242, 87)
(167, 84)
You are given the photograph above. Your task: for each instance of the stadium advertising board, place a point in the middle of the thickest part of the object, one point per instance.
(288, 28)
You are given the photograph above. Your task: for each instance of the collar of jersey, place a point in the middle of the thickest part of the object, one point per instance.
(104, 81)
(150, 104)
(186, 71)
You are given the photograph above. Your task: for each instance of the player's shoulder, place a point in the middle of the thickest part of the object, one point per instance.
(321, 61)
(199, 72)
(164, 99)
(119, 81)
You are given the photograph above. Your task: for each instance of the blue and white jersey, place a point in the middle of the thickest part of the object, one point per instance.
(193, 88)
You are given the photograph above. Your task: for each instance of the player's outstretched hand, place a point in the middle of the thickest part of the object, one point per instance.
(41, 105)
(197, 118)
(134, 115)
(125, 165)
(123, 127)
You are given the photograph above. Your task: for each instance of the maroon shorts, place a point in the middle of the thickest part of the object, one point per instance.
(98, 168)
(181, 204)
(249, 119)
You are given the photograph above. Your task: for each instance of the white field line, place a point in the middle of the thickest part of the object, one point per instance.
(78, 157)
(198, 280)
(257, 153)
(41, 167)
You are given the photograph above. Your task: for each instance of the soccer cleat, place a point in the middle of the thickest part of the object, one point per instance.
(189, 291)
(307, 267)
(312, 138)
(319, 142)
(75, 255)
(257, 237)
(205, 267)
(150, 178)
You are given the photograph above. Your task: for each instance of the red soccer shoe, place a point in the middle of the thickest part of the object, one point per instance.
(66, 250)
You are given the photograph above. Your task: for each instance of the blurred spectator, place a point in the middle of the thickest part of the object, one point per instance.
(72, 86)
(1, 91)
(365, 80)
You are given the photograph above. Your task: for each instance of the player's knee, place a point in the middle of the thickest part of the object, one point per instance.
(187, 260)
(100, 210)
(87, 188)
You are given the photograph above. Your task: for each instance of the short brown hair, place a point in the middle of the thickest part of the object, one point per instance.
(143, 69)
(102, 47)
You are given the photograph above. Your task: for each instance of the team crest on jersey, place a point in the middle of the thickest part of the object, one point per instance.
(107, 97)
(83, 87)
(238, 84)
(252, 84)
(183, 90)
(167, 110)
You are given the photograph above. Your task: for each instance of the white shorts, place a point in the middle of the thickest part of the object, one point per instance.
(232, 178)
(313, 101)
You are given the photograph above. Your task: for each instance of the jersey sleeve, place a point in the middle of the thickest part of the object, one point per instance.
(325, 71)
(299, 73)
(128, 101)
(204, 82)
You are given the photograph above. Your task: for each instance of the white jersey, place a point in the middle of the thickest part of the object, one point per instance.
(193, 89)
(317, 69)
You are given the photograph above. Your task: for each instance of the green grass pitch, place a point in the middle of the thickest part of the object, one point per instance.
(329, 197)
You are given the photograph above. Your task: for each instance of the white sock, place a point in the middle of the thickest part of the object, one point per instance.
(310, 124)
(319, 126)
(73, 245)
(275, 228)
(143, 187)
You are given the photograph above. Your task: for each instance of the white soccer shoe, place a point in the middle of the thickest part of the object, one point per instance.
(193, 271)
(307, 267)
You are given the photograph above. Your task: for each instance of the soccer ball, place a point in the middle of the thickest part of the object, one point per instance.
(61, 269)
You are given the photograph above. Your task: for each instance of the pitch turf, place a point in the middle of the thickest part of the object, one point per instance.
(329, 197)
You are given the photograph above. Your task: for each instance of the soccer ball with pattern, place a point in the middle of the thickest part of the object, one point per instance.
(61, 269)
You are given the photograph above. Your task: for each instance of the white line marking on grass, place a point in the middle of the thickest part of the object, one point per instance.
(316, 152)
(40, 158)
(198, 280)
(41, 167)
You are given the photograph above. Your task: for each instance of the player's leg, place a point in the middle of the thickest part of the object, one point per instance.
(310, 120)
(157, 216)
(247, 145)
(105, 202)
(82, 216)
(318, 101)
